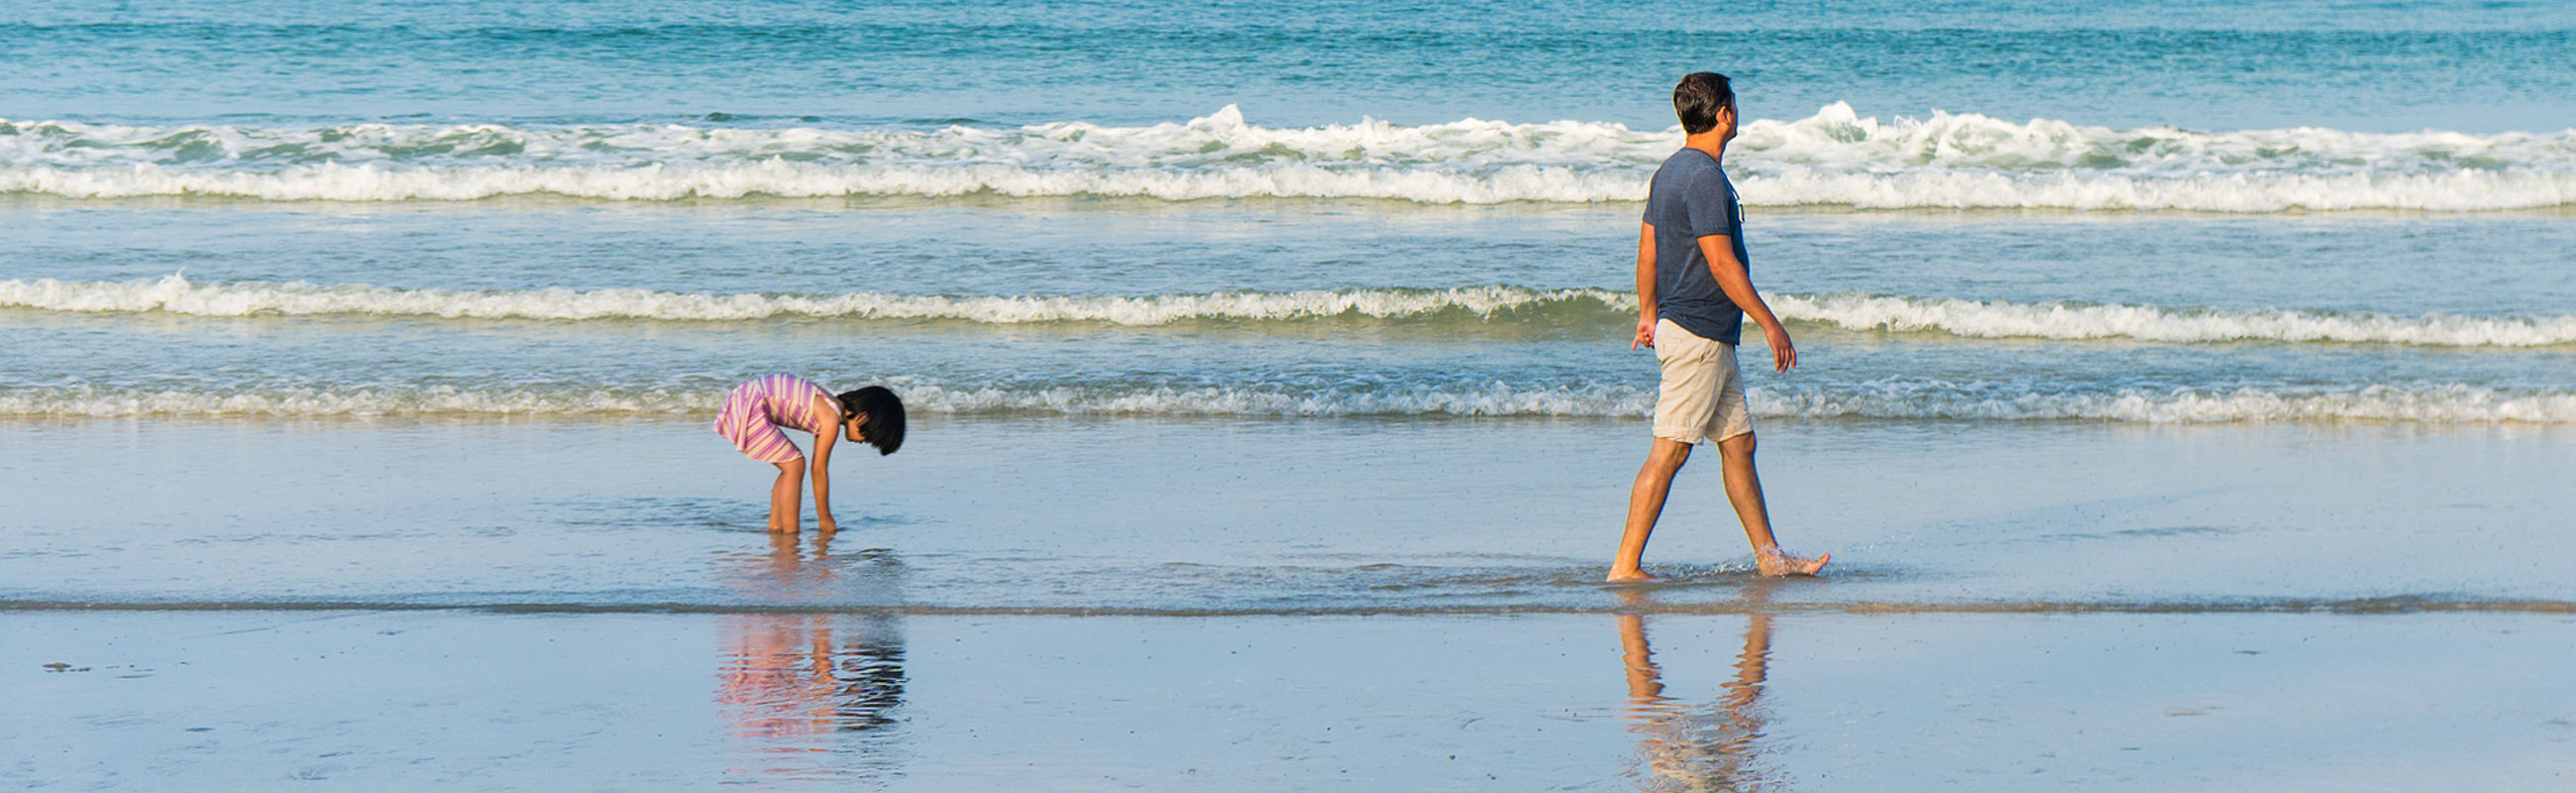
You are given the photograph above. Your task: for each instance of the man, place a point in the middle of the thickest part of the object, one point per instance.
(1693, 293)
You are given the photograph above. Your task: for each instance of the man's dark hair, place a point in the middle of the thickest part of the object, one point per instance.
(883, 426)
(1698, 98)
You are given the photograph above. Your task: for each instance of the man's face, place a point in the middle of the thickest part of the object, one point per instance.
(1726, 120)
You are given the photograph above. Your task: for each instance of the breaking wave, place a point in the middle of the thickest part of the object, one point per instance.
(1891, 399)
(1834, 158)
(2074, 321)
(175, 294)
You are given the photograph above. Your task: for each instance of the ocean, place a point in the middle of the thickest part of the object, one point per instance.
(1293, 324)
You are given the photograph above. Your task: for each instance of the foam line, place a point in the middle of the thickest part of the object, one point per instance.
(2408, 604)
(1835, 157)
(2071, 321)
(175, 294)
(1891, 399)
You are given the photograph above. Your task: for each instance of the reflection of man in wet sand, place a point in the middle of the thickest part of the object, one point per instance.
(784, 684)
(1687, 748)
(1694, 289)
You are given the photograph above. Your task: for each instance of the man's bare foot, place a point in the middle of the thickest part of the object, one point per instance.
(1633, 577)
(1781, 564)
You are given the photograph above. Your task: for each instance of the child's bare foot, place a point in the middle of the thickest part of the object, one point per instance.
(1781, 564)
(1633, 576)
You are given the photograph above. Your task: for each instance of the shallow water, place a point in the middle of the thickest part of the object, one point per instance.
(1231, 309)
(1154, 516)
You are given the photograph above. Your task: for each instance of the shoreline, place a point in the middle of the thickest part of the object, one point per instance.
(1293, 516)
(2379, 606)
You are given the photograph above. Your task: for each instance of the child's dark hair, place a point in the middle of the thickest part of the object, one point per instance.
(1698, 98)
(883, 426)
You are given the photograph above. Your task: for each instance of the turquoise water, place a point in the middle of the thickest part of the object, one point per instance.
(2364, 66)
(2311, 213)
(2177, 214)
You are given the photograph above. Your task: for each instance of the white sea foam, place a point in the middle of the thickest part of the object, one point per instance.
(1835, 157)
(1999, 319)
(1984, 319)
(176, 295)
(2436, 404)
(91, 401)
(2429, 403)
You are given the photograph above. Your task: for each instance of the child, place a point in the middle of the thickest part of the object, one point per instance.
(755, 411)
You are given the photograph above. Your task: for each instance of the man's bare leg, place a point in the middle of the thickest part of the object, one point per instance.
(1744, 490)
(1645, 505)
(787, 497)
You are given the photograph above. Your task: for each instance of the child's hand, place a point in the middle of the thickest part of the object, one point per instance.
(826, 525)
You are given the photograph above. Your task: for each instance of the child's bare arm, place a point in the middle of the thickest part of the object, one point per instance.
(823, 478)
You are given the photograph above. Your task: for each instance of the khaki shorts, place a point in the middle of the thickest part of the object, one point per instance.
(1703, 393)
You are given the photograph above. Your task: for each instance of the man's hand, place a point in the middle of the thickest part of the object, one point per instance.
(1784, 356)
(1645, 334)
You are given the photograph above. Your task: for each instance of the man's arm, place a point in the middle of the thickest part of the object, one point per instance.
(1738, 285)
(1645, 287)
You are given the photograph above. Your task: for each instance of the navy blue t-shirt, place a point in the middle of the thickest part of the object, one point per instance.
(1691, 198)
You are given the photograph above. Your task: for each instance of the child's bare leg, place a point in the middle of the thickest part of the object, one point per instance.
(1744, 490)
(1645, 506)
(787, 497)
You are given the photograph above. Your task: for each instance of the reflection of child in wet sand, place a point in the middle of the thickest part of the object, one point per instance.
(777, 683)
(756, 411)
(789, 683)
(1694, 290)
(786, 683)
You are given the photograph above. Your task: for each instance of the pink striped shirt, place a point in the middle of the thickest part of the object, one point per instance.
(755, 410)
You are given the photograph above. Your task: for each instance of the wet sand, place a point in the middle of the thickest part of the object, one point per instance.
(461, 700)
